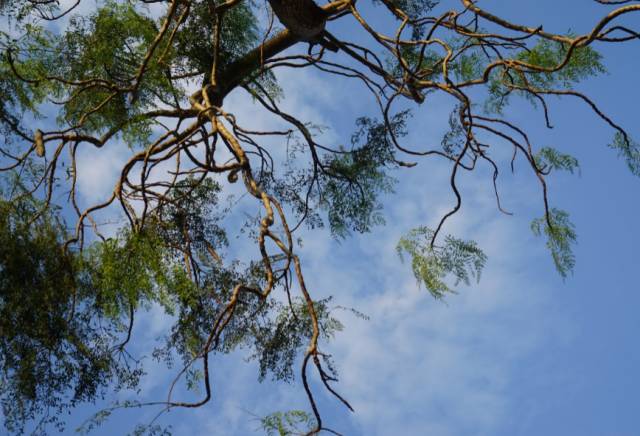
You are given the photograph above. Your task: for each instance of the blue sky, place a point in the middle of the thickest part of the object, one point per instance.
(521, 353)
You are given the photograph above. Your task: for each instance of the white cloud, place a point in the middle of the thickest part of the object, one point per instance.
(425, 367)
(99, 170)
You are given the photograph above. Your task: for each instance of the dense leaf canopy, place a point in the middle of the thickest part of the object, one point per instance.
(153, 77)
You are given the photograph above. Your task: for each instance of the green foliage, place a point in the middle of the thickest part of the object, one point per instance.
(197, 308)
(151, 430)
(278, 342)
(18, 97)
(187, 225)
(147, 266)
(54, 350)
(547, 55)
(84, 302)
(629, 150)
(111, 44)
(427, 62)
(239, 33)
(561, 235)
(548, 159)
(274, 332)
(469, 65)
(101, 416)
(66, 313)
(354, 179)
(19, 10)
(431, 264)
(289, 423)
(188, 216)
(93, 66)
(134, 269)
(454, 139)
(584, 62)
(414, 9)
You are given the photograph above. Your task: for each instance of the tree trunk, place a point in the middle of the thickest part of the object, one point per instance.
(304, 18)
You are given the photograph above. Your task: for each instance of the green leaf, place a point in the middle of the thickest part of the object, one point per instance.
(551, 159)
(629, 150)
(560, 233)
(55, 347)
(355, 179)
(432, 264)
(291, 422)
(584, 62)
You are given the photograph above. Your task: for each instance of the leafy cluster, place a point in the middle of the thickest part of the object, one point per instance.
(355, 178)
(629, 150)
(414, 10)
(55, 335)
(548, 159)
(279, 341)
(560, 234)
(559, 68)
(17, 96)
(547, 66)
(431, 264)
(289, 423)
(194, 43)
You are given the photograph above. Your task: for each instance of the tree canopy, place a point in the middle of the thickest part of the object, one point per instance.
(153, 77)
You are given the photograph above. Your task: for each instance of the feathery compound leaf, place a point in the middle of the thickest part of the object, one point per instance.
(629, 150)
(540, 71)
(431, 264)
(548, 159)
(561, 235)
(291, 422)
(357, 177)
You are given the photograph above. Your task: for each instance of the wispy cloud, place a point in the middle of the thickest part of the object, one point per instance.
(420, 366)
